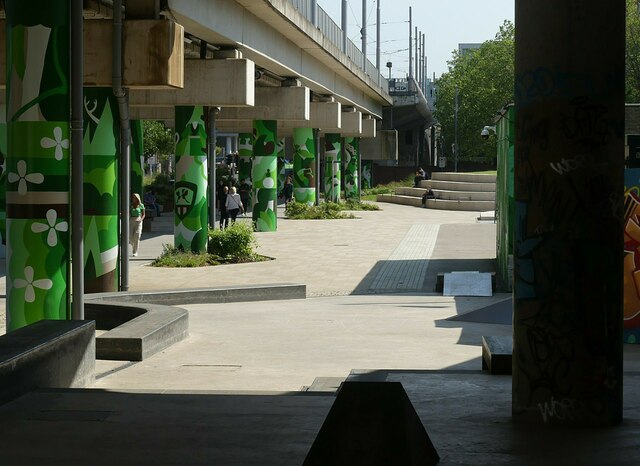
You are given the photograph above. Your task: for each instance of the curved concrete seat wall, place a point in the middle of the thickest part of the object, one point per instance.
(136, 331)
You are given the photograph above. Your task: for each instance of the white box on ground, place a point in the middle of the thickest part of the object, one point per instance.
(467, 284)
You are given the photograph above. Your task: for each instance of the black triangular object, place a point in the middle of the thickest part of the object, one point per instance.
(373, 424)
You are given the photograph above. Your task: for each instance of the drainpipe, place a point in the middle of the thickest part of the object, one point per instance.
(213, 111)
(125, 139)
(77, 203)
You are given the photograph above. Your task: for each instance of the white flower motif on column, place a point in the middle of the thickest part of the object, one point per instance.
(57, 142)
(51, 226)
(22, 177)
(29, 284)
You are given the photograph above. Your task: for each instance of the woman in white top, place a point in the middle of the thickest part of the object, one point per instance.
(233, 204)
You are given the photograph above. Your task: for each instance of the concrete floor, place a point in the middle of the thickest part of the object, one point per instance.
(234, 392)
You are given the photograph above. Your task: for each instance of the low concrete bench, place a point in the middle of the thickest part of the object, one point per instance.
(440, 282)
(47, 354)
(497, 354)
(136, 331)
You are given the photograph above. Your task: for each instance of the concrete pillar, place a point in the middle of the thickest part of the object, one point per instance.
(3, 179)
(264, 174)
(352, 167)
(366, 178)
(137, 157)
(101, 148)
(191, 216)
(567, 354)
(304, 165)
(332, 159)
(281, 154)
(37, 164)
(227, 145)
(245, 156)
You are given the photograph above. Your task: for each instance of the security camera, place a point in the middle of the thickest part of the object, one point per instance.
(484, 134)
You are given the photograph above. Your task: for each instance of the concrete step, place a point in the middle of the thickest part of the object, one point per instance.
(464, 177)
(446, 194)
(410, 191)
(465, 195)
(458, 185)
(397, 199)
(469, 206)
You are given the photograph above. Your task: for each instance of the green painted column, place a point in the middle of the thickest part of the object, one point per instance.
(281, 167)
(191, 228)
(332, 158)
(352, 163)
(100, 186)
(366, 178)
(137, 154)
(37, 164)
(304, 166)
(264, 174)
(245, 154)
(3, 173)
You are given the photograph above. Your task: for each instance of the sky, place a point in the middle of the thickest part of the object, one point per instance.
(445, 23)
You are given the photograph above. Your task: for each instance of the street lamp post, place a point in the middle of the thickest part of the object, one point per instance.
(455, 135)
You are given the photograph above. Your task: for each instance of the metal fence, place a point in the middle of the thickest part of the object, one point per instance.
(334, 34)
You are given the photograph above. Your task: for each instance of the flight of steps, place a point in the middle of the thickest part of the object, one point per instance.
(473, 192)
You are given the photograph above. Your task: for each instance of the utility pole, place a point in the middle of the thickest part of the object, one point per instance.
(364, 35)
(417, 75)
(410, 45)
(424, 66)
(344, 26)
(378, 36)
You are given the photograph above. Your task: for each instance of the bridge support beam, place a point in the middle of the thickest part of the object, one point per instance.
(264, 175)
(101, 146)
(38, 162)
(191, 217)
(567, 352)
(304, 165)
(332, 163)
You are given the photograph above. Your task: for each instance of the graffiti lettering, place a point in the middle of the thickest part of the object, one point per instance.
(569, 165)
(588, 122)
(561, 410)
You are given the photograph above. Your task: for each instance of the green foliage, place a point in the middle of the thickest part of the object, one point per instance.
(632, 58)
(236, 242)
(484, 78)
(388, 188)
(174, 257)
(163, 188)
(353, 204)
(158, 140)
(324, 211)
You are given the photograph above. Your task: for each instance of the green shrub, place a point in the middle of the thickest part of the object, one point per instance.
(174, 257)
(354, 204)
(324, 211)
(236, 242)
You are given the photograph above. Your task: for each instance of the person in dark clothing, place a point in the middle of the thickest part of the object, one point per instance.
(287, 190)
(224, 213)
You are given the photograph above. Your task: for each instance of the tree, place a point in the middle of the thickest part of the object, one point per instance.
(485, 79)
(632, 58)
(158, 140)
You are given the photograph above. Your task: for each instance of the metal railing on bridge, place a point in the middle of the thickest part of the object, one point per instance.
(335, 34)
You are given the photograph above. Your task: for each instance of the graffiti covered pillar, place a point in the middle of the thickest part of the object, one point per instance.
(281, 164)
(366, 178)
(37, 164)
(264, 174)
(567, 324)
(137, 155)
(304, 166)
(352, 165)
(245, 185)
(100, 187)
(332, 159)
(191, 217)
